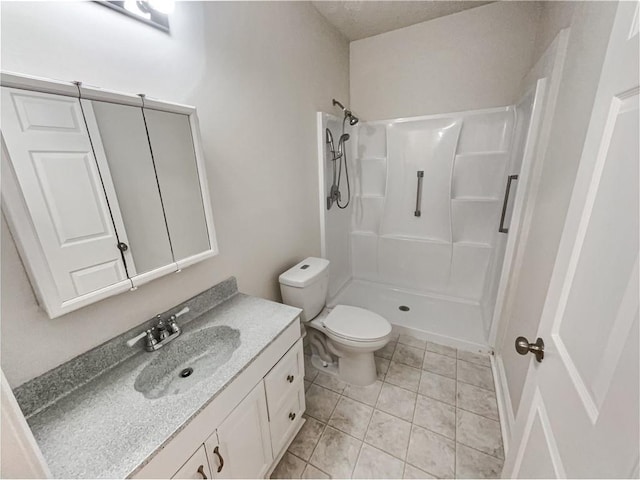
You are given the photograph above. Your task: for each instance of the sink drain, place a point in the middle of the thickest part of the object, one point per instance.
(186, 372)
(403, 308)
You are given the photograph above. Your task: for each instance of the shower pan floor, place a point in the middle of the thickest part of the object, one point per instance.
(448, 321)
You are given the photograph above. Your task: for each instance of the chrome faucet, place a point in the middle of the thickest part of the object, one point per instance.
(165, 333)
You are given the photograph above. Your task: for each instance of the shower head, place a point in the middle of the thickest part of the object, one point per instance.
(344, 137)
(347, 113)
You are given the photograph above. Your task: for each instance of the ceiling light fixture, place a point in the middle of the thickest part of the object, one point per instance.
(152, 12)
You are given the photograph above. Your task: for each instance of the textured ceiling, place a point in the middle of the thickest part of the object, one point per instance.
(358, 19)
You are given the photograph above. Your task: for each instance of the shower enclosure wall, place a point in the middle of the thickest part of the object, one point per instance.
(422, 229)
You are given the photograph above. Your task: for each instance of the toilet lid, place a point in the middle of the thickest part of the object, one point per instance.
(356, 324)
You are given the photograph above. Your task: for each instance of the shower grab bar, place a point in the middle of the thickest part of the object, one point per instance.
(505, 202)
(417, 213)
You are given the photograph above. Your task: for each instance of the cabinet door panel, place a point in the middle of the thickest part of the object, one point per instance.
(53, 162)
(245, 443)
(177, 169)
(195, 467)
(119, 135)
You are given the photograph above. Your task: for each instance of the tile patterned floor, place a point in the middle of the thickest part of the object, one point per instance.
(431, 414)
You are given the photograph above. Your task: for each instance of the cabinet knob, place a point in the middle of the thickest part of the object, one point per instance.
(292, 416)
(123, 247)
(290, 378)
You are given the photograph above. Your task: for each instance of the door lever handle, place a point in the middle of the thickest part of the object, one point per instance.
(523, 347)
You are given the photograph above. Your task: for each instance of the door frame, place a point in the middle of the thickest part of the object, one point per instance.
(549, 66)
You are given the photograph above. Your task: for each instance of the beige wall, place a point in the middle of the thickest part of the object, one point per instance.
(590, 24)
(257, 72)
(469, 60)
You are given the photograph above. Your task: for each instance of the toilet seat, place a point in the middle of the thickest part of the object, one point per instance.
(356, 324)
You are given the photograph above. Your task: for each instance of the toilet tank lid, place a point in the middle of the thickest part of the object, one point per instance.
(304, 273)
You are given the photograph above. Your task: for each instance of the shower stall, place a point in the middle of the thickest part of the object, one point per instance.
(423, 239)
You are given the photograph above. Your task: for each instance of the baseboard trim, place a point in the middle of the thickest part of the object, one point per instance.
(441, 339)
(505, 412)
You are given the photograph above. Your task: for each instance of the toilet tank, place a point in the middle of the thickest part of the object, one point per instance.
(305, 286)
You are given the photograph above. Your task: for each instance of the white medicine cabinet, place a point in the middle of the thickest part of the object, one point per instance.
(102, 191)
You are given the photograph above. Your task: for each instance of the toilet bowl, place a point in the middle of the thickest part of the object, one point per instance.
(349, 335)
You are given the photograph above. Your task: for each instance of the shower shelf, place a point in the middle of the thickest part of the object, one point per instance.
(475, 199)
(487, 153)
(438, 241)
(473, 244)
(369, 195)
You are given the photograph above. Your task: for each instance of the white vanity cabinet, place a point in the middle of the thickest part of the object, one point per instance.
(241, 446)
(249, 440)
(103, 191)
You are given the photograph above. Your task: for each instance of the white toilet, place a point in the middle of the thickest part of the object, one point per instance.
(347, 334)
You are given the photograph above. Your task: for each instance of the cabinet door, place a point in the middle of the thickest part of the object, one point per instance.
(55, 168)
(195, 467)
(176, 165)
(120, 140)
(243, 440)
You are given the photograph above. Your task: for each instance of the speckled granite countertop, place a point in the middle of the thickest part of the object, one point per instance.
(105, 428)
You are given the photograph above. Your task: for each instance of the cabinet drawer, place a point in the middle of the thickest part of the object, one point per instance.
(286, 420)
(195, 467)
(285, 378)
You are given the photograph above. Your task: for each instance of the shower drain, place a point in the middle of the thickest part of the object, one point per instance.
(186, 372)
(403, 308)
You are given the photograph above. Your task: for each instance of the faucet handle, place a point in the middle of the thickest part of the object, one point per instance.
(173, 326)
(181, 312)
(134, 340)
(150, 341)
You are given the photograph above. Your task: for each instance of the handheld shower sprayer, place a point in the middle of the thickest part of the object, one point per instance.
(329, 140)
(339, 156)
(343, 138)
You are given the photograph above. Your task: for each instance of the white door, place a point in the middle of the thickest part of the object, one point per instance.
(53, 162)
(20, 456)
(242, 448)
(579, 412)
